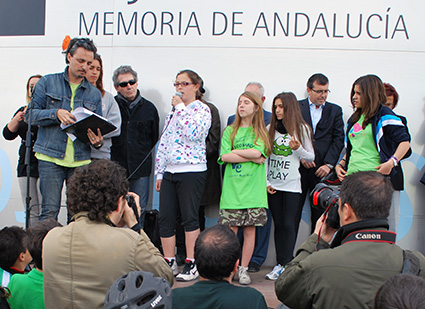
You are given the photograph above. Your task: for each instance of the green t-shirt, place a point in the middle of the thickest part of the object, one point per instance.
(364, 155)
(26, 291)
(244, 184)
(217, 294)
(68, 160)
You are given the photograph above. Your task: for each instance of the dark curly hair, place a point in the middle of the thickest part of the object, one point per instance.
(96, 188)
(35, 239)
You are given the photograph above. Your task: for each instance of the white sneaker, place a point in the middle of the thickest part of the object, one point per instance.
(189, 272)
(244, 276)
(275, 273)
(173, 266)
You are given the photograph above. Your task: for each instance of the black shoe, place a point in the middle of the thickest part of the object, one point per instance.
(253, 267)
(188, 273)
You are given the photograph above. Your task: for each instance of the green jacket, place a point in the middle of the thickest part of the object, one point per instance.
(346, 276)
(27, 290)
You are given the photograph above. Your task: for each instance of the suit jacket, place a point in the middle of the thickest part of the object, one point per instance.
(328, 140)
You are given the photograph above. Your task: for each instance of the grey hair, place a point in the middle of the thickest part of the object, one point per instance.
(260, 87)
(123, 70)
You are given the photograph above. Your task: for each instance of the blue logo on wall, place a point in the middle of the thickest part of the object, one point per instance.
(22, 17)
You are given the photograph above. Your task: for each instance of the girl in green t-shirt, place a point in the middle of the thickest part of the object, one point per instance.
(245, 146)
(376, 139)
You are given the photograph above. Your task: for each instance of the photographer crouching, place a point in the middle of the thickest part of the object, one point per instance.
(83, 259)
(344, 270)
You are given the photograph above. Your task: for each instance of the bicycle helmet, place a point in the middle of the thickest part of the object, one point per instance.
(139, 290)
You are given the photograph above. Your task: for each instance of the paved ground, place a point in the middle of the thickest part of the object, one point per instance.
(266, 287)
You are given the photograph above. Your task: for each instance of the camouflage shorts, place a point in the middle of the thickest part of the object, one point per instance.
(243, 217)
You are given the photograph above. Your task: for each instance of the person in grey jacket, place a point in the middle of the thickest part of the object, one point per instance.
(346, 272)
(110, 109)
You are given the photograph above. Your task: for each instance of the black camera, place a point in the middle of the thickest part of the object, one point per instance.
(324, 197)
(132, 203)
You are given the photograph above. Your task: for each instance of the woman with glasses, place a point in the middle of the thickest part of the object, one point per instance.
(110, 110)
(17, 126)
(376, 139)
(181, 169)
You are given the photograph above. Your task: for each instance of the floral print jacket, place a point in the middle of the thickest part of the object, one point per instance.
(183, 139)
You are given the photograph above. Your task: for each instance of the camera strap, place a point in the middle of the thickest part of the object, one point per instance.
(371, 236)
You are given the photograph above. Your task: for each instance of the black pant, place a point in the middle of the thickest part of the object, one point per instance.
(308, 182)
(180, 197)
(284, 208)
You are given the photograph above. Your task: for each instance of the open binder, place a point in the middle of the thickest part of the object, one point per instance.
(87, 120)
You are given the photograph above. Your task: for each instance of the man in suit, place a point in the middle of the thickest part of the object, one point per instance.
(325, 119)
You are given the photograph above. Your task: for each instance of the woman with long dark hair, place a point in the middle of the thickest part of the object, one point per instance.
(376, 139)
(110, 109)
(291, 139)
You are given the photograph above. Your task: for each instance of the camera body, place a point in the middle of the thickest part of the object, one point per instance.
(132, 203)
(324, 197)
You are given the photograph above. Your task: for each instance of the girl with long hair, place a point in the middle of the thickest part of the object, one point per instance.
(181, 168)
(376, 139)
(110, 110)
(244, 146)
(291, 139)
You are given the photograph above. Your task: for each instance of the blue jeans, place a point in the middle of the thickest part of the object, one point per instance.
(52, 177)
(140, 186)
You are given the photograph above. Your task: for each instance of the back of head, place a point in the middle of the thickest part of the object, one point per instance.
(368, 193)
(12, 244)
(402, 291)
(96, 188)
(256, 84)
(35, 239)
(75, 43)
(390, 91)
(216, 251)
(319, 78)
(123, 70)
(139, 290)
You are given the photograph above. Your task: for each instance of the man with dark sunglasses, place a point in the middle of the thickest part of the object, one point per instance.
(139, 133)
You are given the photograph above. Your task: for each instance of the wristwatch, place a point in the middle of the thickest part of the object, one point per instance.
(330, 166)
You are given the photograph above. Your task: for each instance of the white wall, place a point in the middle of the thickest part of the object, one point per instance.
(227, 62)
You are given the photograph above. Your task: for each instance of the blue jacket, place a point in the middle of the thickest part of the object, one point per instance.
(51, 93)
(388, 130)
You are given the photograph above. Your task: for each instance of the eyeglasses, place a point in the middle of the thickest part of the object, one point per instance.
(124, 84)
(183, 84)
(321, 91)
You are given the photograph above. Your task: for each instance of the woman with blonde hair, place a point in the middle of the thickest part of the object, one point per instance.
(245, 146)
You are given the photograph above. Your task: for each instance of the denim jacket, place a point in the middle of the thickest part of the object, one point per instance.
(51, 93)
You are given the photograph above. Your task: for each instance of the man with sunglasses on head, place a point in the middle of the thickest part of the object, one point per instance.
(55, 97)
(139, 134)
(325, 119)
